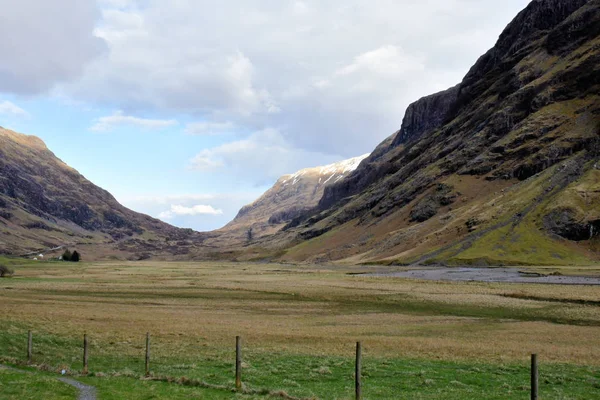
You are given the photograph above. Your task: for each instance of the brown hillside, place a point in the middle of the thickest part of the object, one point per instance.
(45, 204)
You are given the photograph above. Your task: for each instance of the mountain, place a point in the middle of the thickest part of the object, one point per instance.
(501, 169)
(291, 196)
(45, 204)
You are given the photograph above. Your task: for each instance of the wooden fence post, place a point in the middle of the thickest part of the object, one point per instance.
(85, 354)
(29, 347)
(148, 354)
(357, 372)
(238, 363)
(534, 377)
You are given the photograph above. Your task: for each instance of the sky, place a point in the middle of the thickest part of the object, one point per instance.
(188, 109)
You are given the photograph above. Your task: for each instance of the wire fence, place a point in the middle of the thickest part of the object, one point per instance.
(245, 371)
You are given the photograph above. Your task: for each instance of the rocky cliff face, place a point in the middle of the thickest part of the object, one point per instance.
(421, 117)
(534, 23)
(514, 136)
(425, 115)
(44, 203)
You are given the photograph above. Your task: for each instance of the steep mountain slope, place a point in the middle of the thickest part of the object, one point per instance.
(44, 204)
(291, 196)
(502, 168)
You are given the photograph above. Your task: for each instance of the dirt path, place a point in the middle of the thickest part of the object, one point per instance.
(85, 392)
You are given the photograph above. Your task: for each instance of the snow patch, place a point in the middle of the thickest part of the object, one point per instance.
(328, 179)
(342, 167)
(336, 171)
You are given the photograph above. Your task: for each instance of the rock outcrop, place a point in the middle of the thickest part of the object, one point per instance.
(567, 224)
(425, 115)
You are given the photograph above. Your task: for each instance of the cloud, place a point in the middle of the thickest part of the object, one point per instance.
(170, 199)
(160, 205)
(262, 157)
(150, 66)
(332, 77)
(178, 210)
(388, 61)
(108, 123)
(208, 160)
(209, 128)
(8, 108)
(117, 3)
(46, 42)
(300, 7)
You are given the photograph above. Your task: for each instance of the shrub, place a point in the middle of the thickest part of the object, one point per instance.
(66, 255)
(5, 271)
(73, 257)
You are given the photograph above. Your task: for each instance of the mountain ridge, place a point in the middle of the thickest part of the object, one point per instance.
(44, 203)
(527, 109)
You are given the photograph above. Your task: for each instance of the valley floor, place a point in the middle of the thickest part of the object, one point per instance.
(299, 325)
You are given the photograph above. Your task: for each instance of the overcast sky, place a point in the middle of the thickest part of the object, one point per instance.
(188, 109)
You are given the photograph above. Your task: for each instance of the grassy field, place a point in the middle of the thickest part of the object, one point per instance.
(299, 326)
(21, 386)
(36, 385)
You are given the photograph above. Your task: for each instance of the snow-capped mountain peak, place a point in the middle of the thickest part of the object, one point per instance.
(327, 173)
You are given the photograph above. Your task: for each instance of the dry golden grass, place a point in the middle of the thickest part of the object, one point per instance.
(308, 309)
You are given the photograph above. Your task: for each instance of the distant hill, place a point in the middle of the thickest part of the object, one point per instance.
(45, 204)
(291, 196)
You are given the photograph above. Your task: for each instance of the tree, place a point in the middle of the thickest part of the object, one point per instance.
(67, 255)
(249, 235)
(5, 271)
(75, 256)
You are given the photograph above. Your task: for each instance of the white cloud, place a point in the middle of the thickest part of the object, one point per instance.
(322, 83)
(262, 157)
(388, 61)
(169, 199)
(333, 77)
(155, 64)
(9, 108)
(160, 205)
(108, 123)
(209, 128)
(206, 161)
(300, 7)
(46, 42)
(117, 3)
(179, 210)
